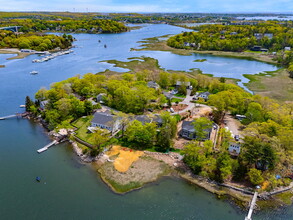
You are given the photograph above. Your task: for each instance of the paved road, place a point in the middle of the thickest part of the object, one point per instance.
(186, 101)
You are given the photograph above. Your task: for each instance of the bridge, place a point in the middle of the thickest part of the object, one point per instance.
(11, 28)
(252, 204)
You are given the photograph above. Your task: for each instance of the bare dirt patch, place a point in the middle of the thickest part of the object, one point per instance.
(142, 171)
(125, 157)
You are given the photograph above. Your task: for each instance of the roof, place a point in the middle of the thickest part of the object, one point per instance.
(153, 84)
(168, 95)
(205, 93)
(179, 83)
(187, 125)
(103, 118)
(145, 119)
(142, 118)
(45, 102)
(158, 119)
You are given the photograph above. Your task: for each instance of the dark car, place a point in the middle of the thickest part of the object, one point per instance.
(236, 137)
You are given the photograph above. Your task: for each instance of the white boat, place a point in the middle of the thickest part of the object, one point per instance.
(34, 72)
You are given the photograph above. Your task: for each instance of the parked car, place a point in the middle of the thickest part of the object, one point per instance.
(236, 137)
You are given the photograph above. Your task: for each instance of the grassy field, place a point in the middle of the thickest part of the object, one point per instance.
(81, 124)
(137, 64)
(277, 85)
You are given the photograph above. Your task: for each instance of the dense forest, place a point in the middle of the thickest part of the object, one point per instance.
(66, 25)
(9, 39)
(269, 35)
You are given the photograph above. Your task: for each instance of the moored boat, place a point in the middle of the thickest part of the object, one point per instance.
(34, 72)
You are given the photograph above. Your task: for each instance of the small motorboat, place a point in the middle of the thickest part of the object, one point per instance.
(22, 106)
(34, 72)
(99, 41)
(38, 179)
(105, 46)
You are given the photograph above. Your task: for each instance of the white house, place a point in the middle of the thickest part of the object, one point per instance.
(287, 48)
(234, 148)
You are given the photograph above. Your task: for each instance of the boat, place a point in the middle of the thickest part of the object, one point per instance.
(22, 106)
(105, 46)
(38, 179)
(34, 72)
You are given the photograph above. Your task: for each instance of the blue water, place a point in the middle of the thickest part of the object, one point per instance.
(72, 190)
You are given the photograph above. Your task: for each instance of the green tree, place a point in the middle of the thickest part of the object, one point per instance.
(201, 127)
(255, 176)
(141, 136)
(225, 166)
(164, 79)
(28, 103)
(166, 132)
(100, 137)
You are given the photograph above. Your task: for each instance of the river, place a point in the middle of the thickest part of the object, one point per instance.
(72, 190)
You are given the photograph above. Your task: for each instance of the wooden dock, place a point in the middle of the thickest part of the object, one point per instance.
(8, 116)
(252, 204)
(47, 146)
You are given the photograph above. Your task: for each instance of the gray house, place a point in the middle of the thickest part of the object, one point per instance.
(43, 104)
(179, 83)
(153, 84)
(104, 120)
(101, 97)
(204, 95)
(152, 119)
(188, 131)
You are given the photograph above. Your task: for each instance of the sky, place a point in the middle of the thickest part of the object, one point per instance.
(210, 6)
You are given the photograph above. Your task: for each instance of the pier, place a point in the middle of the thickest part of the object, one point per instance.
(252, 204)
(14, 116)
(8, 116)
(47, 146)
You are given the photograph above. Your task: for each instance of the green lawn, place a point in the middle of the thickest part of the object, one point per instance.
(175, 100)
(180, 95)
(81, 124)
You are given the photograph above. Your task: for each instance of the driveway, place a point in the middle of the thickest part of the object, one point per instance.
(187, 102)
(233, 124)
